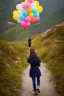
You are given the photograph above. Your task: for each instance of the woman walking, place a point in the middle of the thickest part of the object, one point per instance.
(29, 42)
(34, 70)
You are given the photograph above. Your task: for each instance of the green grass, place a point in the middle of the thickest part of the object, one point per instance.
(51, 51)
(10, 69)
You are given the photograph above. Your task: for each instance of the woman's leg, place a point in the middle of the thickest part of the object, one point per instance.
(38, 81)
(34, 83)
(38, 84)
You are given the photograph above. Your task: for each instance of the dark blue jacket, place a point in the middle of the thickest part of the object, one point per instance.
(35, 63)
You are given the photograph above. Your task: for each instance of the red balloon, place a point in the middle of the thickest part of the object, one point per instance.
(32, 20)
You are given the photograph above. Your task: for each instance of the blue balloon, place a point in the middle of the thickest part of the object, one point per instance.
(24, 12)
(36, 15)
(22, 17)
(34, 10)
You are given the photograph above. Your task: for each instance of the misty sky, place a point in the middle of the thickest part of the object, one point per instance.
(52, 5)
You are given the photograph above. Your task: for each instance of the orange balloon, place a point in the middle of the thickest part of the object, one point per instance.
(31, 15)
(33, 20)
(29, 10)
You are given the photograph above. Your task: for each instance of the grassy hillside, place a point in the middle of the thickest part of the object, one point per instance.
(12, 63)
(50, 47)
(13, 32)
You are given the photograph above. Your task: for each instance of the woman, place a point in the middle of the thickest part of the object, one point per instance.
(29, 42)
(34, 70)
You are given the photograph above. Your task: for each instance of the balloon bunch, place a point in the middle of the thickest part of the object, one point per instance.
(27, 13)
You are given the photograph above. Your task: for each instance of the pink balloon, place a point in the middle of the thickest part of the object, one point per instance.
(30, 1)
(26, 5)
(28, 23)
(24, 25)
(22, 4)
(27, 19)
(37, 19)
(33, 5)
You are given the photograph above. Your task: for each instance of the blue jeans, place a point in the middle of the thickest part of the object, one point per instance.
(34, 79)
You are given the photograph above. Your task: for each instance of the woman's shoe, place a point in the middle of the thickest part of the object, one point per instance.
(38, 90)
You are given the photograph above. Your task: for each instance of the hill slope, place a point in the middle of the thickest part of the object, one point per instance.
(12, 63)
(50, 47)
(13, 32)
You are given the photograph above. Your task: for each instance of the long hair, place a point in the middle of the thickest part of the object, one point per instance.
(32, 52)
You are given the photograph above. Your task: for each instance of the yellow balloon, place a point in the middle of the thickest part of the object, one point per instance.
(29, 10)
(39, 9)
(16, 17)
(31, 15)
(26, 0)
(37, 3)
(15, 12)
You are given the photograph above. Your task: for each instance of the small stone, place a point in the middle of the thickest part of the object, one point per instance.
(8, 65)
(58, 41)
(17, 62)
(48, 30)
(18, 58)
(44, 35)
(11, 49)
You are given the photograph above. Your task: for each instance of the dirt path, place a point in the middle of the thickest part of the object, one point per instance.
(47, 85)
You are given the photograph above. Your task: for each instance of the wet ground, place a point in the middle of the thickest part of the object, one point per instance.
(47, 85)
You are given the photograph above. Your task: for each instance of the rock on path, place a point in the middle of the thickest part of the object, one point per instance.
(47, 86)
